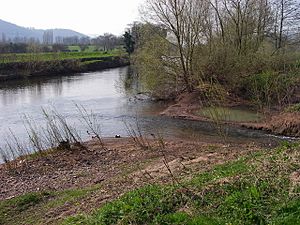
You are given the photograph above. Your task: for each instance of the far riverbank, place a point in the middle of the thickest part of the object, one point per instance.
(44, 64)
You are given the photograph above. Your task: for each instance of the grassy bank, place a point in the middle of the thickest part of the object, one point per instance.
(14, 66)
(27, 57)
(260, 187)
(31, 208)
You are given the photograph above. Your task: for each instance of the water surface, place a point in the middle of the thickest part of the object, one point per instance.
(110, 94)
(230, 114)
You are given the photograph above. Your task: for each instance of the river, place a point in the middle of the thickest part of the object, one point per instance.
(110, 100)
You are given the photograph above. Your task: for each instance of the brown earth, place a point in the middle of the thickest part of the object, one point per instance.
(286, 124)
(121, 167)
(184, 106)
(187, 103)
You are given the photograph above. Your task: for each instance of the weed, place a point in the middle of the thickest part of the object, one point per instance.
(136, 134)
(252, 190)
(293, 108)
(213, 95)
(270, 87)
(55, 133)
(32, 208)
(92, 124)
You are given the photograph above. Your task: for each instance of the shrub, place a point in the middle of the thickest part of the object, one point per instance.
(268, 88)
(293, 108)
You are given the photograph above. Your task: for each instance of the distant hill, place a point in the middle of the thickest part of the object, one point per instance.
(12, 31)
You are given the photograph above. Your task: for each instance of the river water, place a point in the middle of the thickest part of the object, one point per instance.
(110, 100)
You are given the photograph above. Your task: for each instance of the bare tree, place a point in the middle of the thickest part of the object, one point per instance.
(221, 40)
(287, 18)
(242, 23)
(184, 20)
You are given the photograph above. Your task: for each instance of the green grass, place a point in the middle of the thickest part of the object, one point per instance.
(31, 208)
(11, 210)
(90, 48)
(253, 190)
(28, 57)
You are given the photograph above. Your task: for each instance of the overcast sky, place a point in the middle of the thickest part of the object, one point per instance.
(90, 17)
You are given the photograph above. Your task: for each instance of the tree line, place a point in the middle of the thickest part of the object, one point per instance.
(184, 43)
(105, 42)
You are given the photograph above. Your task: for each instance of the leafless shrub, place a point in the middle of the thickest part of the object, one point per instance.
(13, 151)
(91, 123)
(134, 131)
(213, 98)
(55, 133)
(4, 156)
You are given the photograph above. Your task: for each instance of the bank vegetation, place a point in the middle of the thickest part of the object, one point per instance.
(250, 48)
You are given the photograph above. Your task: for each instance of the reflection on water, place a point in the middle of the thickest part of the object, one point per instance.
(29, 91)
(107, 93)
(230, 114)
(103, 92)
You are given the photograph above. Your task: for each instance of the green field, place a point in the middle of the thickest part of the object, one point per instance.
(27, 57)
(90, 48)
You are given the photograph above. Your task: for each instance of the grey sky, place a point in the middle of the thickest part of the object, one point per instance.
(85, 16)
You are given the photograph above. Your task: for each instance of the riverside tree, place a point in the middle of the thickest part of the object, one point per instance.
(286, 20)
(129, 42)
(185, 21)
(227, 41)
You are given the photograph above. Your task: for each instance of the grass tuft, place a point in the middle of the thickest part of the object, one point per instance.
(253, 190)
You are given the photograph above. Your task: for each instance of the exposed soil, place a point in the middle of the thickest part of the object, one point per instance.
(119, 168)
(184, 106)
(187, 103)
(286, 124)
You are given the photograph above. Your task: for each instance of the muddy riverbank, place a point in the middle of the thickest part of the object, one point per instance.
(189, 106)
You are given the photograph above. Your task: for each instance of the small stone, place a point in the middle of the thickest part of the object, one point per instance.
(97, 181)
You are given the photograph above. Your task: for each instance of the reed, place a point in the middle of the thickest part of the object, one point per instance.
(55, 133)
(93, 126)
